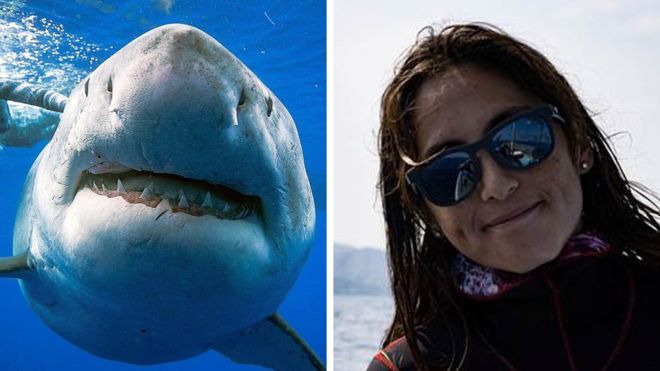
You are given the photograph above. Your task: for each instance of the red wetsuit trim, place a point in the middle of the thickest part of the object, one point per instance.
(385, 361)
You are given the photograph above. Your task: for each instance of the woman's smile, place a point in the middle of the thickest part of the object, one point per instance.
(517, 217)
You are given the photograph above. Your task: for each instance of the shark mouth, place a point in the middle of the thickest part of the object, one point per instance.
(193, 197)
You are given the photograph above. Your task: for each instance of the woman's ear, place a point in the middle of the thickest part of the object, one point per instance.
(585, 159)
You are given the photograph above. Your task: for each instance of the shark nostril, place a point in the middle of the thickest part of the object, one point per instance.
(241, 100)
(269, 104)
(109, 87)
(86, 87)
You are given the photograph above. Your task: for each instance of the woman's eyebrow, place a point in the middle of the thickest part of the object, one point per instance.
(437, 147)
(502, 116)
(497, 119)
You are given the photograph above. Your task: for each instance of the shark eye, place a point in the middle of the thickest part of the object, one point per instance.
(109, 87)
(86, 87)
(269, 104)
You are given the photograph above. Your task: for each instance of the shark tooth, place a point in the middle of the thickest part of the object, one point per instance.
(95, 187)
(165, 204)
(163, 207)
(183, 201)
(226, 208)
(120, 187)
(147, 192)
(207, 201)
(103, 187)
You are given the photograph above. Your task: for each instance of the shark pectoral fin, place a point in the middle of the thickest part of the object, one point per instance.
(16, 266)
(271, 343)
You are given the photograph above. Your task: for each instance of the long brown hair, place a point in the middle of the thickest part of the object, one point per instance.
(624, 212)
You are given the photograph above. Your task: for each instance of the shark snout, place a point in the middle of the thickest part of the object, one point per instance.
(184, 70)
(188, 117)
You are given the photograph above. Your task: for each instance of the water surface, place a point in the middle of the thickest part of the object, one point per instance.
(360, 323)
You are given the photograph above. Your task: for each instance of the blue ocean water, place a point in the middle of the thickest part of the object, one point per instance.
(57, 43)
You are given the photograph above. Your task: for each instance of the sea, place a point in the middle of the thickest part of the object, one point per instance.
(360, 324)
(57, 43)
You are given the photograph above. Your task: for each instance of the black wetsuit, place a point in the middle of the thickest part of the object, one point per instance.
(592, 314)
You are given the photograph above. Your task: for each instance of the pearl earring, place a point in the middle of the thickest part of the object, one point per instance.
(584, 167)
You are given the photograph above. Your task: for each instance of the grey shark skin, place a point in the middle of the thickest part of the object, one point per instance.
(171, 212)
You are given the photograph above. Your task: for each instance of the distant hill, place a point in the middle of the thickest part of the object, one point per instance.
(360, 271)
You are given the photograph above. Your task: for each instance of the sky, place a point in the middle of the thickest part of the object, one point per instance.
(607, 49)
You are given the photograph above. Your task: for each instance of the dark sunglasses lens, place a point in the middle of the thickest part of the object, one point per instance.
(449, 179)
(523, 142)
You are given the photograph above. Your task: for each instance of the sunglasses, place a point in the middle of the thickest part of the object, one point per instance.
(519, 142)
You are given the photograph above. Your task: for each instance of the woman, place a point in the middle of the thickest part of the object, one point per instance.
(515, 241)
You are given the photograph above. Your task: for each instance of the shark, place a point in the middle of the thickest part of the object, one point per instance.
(170, 213)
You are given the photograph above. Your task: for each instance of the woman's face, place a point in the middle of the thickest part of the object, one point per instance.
(515, 220)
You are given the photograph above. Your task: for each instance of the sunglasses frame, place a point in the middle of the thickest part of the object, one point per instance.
(545, 111)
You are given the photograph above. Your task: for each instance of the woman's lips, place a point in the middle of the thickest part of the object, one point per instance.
(512, 216)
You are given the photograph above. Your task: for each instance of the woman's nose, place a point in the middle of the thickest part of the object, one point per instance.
(496, 182)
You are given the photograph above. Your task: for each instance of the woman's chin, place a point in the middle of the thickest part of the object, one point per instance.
(521, 256)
